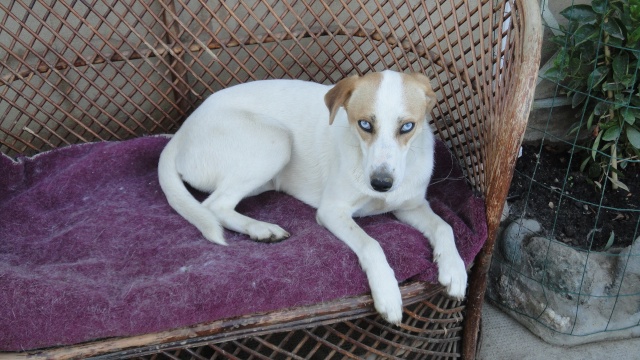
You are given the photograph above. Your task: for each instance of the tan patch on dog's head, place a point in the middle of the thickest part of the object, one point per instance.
(357, 95)
(339, 96)
(419, 100)
(361, 105)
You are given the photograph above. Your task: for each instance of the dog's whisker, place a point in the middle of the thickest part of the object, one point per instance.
(443, 179)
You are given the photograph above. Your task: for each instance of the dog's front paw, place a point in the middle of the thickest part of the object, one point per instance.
(387, 298)
(453, 275)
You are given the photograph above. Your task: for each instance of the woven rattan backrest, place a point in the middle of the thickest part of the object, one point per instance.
(78, 71)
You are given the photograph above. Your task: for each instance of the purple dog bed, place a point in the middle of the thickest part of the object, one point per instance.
(89, 249)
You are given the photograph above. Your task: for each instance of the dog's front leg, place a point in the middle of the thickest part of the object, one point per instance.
(382, 281)
(451, 269)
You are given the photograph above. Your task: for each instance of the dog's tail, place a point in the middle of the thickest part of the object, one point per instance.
(181, 199)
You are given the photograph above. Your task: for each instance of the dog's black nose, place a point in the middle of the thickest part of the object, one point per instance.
(381, 183)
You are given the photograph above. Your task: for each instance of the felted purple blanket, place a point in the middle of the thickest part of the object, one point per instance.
(89, 249)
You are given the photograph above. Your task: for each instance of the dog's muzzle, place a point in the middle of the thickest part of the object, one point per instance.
(381, 181)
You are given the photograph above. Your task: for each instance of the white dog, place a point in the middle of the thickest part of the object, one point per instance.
(361, 147)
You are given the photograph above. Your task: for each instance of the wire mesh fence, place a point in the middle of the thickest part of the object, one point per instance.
(567, 264)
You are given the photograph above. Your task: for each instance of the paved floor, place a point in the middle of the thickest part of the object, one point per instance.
(505, 339)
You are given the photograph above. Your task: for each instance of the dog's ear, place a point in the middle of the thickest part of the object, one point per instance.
(339, 95)
(424, 82)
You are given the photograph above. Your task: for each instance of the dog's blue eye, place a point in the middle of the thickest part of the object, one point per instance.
(365, 125)
(407, 127)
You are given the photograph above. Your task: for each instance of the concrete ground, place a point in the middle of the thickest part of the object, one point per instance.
(503, 338)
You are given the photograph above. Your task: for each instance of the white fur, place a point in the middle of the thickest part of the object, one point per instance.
(386, 153)
(275, 135)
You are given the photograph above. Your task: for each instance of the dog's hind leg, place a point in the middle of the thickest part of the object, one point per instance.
(223, 202)
(251, 170)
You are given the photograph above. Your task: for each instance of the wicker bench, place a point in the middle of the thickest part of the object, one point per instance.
(75, 72)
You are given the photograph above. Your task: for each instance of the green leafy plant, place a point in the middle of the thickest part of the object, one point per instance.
(598, 62)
